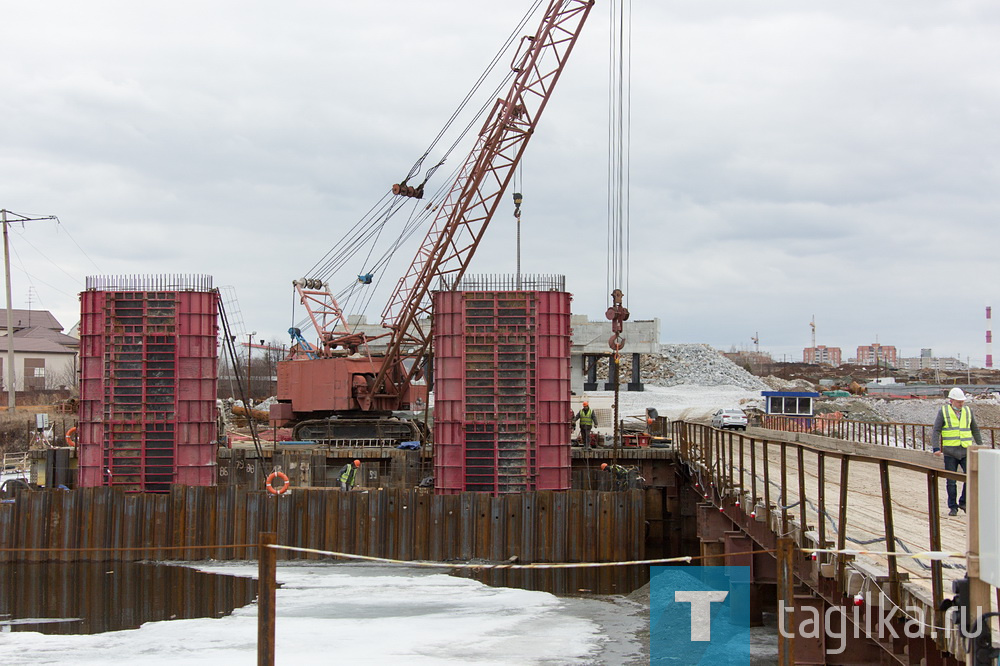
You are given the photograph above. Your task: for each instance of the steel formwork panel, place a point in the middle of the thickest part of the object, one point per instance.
(501, 372)
(148, 387)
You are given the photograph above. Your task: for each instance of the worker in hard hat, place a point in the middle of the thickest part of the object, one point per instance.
(954, 430)
(587, 420)
(348, 475)
(619, 476)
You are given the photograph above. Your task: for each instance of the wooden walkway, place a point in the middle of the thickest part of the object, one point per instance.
(828, 493)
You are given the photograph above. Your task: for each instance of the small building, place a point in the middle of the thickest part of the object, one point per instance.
(44, 356)
(789, 403)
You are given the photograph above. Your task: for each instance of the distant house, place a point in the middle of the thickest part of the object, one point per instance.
(44, 356)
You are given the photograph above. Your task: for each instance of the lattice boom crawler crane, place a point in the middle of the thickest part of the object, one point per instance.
(337, 391)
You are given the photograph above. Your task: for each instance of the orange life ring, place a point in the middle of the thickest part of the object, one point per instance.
(69, 436)
(271, 489)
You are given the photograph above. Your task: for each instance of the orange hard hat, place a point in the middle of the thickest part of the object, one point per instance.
(586, 404)
(357, 463)
(604, 466)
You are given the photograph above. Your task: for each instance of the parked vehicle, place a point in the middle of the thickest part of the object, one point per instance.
(730, 417)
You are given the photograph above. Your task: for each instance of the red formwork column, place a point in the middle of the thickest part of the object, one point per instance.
(197, 379)
(501, 391)
(553, 414)
(90, 422)
(449, 392)
(148, 383)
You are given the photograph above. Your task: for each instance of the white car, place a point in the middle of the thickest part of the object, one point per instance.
(730, 417)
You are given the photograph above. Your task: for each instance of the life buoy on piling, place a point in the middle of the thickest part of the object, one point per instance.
(276, 491)
(69, 436)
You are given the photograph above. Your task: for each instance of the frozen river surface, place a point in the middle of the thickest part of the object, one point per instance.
(369, 614)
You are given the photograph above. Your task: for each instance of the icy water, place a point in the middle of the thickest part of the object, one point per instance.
(361, 614)
(94, 597)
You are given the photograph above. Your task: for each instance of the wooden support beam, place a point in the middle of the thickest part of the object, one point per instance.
(266, 593)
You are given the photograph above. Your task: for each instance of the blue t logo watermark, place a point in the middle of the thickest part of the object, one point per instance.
(700, 615)
(701, 611)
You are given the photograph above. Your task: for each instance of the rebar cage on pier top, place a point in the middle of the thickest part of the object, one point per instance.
(506, 282)
(148, 378)
(149, 283)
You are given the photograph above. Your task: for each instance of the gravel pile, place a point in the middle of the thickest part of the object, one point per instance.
(986, 409)
(853, 409)
(700, 365)
(688, 364)
(921, 411)
(908, 411)
(779, 384)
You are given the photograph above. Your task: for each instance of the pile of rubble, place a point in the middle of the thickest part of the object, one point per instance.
(986, 408)
(696, 364)
(779, 384)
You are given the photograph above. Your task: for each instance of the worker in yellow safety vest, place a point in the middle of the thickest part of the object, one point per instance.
(348, 474)
(620, 476)
(587, 420)
(954, 430)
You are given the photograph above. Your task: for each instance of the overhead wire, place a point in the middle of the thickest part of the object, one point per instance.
(24, 237)
(32, 278)
(60, 225)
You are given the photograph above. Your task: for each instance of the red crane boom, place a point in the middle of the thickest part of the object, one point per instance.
(473, 199)
(340, 381)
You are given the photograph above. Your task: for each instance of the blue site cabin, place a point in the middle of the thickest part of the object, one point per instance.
(789, 403)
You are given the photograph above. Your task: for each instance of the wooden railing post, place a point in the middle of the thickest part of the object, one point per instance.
(786, 603)
(266, 588)
(890, 532)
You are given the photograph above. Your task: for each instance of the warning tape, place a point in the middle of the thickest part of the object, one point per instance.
(508, 565)
(927, 554)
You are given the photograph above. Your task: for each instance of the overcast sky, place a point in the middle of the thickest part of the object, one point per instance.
(788, 159)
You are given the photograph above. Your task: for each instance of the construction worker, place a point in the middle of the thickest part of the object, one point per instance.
(587, 420)
(619, 476)
(954, 429)
(348, 475)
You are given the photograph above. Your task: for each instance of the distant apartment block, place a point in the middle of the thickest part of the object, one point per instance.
(927, 361)
(877, 354)
(821, 355)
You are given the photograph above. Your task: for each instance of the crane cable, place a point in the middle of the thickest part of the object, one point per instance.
(369, 231)
(619, 133)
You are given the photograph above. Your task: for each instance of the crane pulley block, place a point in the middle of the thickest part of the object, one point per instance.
(408, 190)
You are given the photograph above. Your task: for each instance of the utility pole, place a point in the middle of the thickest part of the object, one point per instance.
(10, 315)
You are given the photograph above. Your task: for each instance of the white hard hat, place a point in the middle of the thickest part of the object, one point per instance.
(956, 394)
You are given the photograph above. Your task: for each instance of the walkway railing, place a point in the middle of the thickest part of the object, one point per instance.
(906, 435)
(829, 499)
